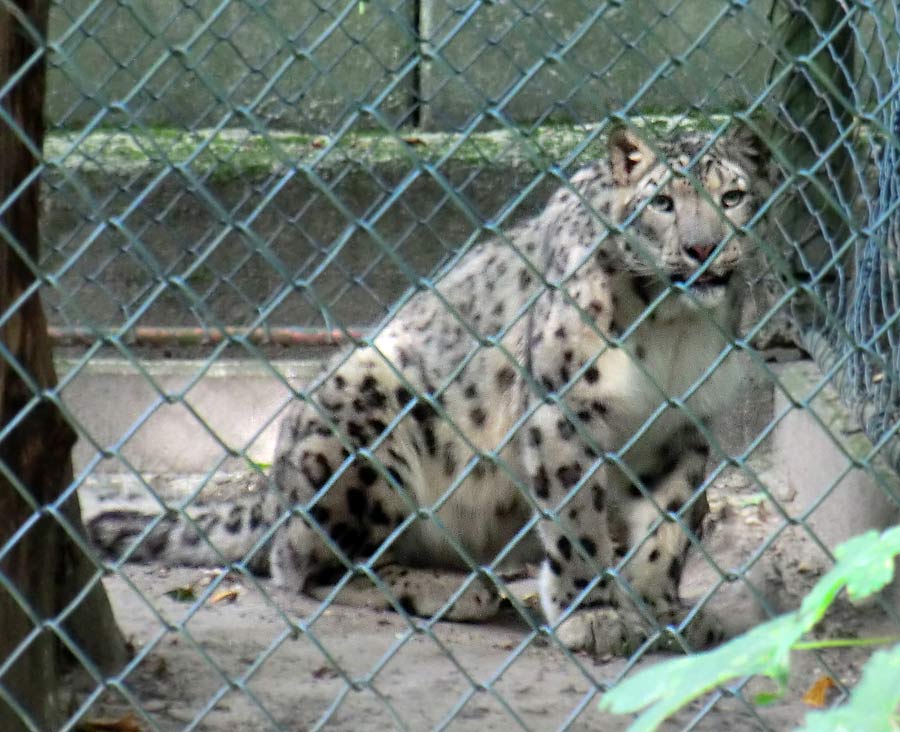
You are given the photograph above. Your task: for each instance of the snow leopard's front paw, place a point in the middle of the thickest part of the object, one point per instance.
(608, 631)
(600, 631)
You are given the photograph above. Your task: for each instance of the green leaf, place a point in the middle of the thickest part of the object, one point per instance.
(768, 697)
(668, 686)
(874, 705)
(865, 564)
(883, 640)
(182, 594)
(756, 499)
(869, 561)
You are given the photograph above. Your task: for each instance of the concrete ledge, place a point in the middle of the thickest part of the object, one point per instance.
(816, 445)
(180, 417)
(177, 417)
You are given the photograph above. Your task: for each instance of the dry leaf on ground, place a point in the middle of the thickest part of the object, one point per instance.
(817, 694)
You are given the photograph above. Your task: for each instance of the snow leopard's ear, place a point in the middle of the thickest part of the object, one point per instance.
(743, 143)
(629, 156)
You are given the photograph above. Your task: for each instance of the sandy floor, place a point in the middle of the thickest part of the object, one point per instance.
(266, 660)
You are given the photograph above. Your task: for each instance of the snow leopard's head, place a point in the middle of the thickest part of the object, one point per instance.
(683, 206)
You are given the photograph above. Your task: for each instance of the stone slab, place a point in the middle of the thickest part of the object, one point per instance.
(817, 447)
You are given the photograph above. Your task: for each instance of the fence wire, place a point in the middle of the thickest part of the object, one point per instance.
(869, 357)
(252, 179)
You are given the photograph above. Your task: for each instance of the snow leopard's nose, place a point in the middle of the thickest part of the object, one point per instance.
(700, 252)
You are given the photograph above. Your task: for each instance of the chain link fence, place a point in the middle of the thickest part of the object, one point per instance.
(860, 342)
(258, 181)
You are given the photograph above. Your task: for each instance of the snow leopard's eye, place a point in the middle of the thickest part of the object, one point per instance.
(665, 204)
(732, 198)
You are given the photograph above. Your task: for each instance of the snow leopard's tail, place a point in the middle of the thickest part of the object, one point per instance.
(216, 534)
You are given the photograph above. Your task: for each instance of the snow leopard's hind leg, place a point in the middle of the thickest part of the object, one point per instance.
(359, 504)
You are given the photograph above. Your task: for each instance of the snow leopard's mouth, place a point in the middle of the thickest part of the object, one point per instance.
(706, 281)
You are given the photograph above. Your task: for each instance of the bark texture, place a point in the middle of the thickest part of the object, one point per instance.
(43, 570)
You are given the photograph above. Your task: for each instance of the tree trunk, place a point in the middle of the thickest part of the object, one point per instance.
(42, 570)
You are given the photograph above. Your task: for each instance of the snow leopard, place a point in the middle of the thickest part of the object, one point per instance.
(548, 399)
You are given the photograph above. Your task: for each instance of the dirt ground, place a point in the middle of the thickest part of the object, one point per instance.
(266, 660)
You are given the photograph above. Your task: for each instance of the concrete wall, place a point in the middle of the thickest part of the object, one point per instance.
(292, 63)
(578, 61)
(168, 228)
(315, 66)
(238, 236)
(243, 235)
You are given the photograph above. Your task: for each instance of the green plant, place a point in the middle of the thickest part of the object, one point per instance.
(865, 564)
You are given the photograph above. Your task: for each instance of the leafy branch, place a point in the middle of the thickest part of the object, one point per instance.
(865, 564)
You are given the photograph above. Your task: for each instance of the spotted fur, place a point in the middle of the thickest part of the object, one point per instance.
(519, 384)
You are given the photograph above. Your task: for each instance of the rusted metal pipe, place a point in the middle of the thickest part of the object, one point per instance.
(144, 335)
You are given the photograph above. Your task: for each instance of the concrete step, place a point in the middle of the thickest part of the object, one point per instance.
(176, 417)
(830, 467)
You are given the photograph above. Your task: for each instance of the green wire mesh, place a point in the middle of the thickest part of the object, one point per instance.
(256, 169)
(871, 354)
